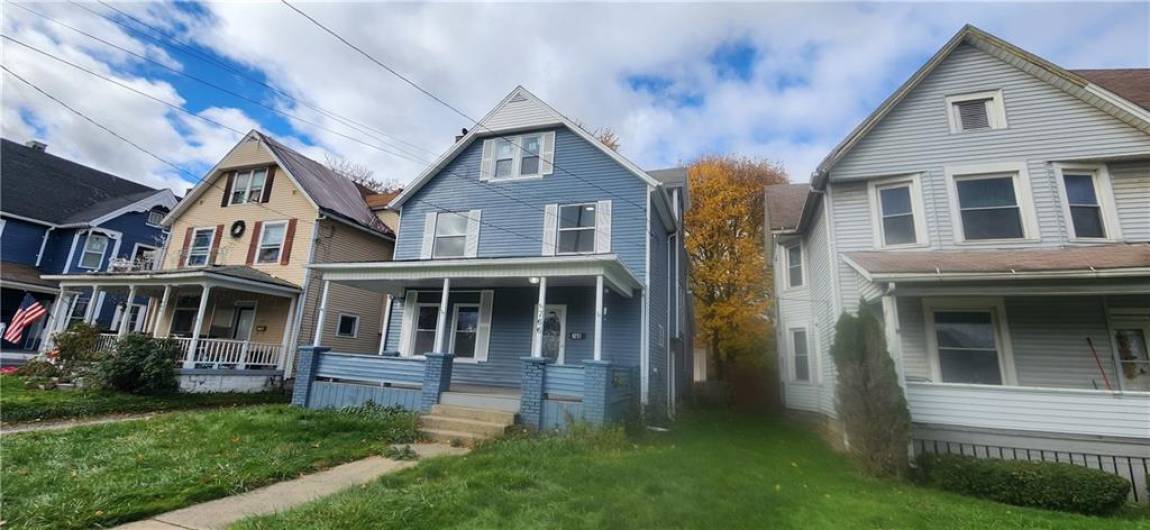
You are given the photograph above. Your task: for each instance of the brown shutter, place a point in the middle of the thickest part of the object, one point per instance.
(255, 244)
(227, 188)
(216, 244)
(187, 245)
(289, 236)
(268, 184)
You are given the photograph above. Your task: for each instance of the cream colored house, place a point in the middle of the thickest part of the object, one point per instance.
(234, 284)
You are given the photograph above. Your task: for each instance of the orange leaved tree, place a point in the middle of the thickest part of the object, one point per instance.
(726, 246)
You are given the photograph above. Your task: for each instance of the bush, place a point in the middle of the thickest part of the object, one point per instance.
(1048, 485)
(140, 365)
(75, 348)
(37, 368)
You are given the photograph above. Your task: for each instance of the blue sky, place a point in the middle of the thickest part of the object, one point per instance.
(782, 81)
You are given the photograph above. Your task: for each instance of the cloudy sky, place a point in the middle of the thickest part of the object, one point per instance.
(783, 81)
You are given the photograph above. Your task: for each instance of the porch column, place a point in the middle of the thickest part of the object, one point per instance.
(126, 314)
(441, 321)
(190, 356)
(385, 323)
(321, 315)
(286, 348)
(598, 346)
(160, 312)
(91, 309)
(54, 316)
(540, 312)
(893, 340)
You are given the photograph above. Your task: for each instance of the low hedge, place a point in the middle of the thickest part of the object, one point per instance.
(1048, 485)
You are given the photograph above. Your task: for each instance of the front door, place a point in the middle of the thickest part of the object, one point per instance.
(554, 332)
(1132, 346)
(245, 317)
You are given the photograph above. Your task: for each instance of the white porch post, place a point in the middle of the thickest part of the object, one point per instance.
(54, 316)
(89, 315)
(441, 321)
(598, 348)
(891, 333)
(126, 314)
(321, 315)
(190, 356)
(540, 311)
(286, 347)
(385, 324)
(160, 311)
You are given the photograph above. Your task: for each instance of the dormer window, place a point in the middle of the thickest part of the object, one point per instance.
(248, 186)
(524, 156)
(975, 112)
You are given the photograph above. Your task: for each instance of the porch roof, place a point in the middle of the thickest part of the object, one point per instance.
(229, 276)
(1100, 261)
(27, 277)
(394, 276)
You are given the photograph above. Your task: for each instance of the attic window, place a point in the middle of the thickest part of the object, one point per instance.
(976, 112)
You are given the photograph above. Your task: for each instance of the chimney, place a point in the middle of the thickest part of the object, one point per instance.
(462, 133)
(36, 145)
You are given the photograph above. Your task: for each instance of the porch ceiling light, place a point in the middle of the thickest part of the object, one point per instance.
(533, 280)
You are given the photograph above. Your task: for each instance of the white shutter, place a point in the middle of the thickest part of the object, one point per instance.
(487, 163)
(406, 335)
(428, 235)
(547, 156)
(483, 333)
(471, 245)
(603, 227)
(550, 224)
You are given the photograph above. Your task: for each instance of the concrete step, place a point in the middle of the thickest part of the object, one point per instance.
(454, 437)
(469, 413)
(481, 401)
(445, 423)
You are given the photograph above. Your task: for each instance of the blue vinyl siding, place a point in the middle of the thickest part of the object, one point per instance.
(657, 292)
(20, 241)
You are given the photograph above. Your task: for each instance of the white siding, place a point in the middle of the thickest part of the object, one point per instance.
(1131, 183)
(914, 360)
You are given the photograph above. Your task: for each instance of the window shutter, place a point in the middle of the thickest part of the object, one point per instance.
(228, 179)
(483, 332)
(187, 245)
(471, 247)
(254, 246)
(547, 156)
(428, 235)
(405, 331)
(289, 236)
(268, 184)
(487, 163)
(550, 225)
(216, 237)
(603, 227)
(973, 114)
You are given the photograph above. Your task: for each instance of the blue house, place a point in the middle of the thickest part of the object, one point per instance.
(60, 217)
(537, 271)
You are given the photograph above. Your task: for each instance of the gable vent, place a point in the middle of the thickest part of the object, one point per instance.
(518, 97)
(973, 114)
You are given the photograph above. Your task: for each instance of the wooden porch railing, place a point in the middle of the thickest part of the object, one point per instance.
(106, 343)
(230, 353)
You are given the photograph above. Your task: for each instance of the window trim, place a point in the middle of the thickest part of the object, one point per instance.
(466, 215)
(917, 210)
(455, 322)
(355, 329)
(998, 317)
(415, 324)
(260, 243)
(1022, 196)
(250, 172)
(191, 246)
(787, 264)
(792, 376)
(996, 115)
(559, 228)
(1103, 191)
(148, 217)
(517, 145)
(84, 252)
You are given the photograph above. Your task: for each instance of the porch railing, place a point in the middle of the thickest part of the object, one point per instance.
(230, 353)
(370, 368)
(106, 343)
(563, 381)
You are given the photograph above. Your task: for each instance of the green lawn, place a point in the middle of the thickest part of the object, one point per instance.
(713, 471)
(19, 404)
(107, 474)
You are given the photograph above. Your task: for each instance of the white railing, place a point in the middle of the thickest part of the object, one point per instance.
(229, 353)
(1053, 410)
(106, 343)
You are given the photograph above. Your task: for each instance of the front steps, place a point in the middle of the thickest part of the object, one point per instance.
(454, 424)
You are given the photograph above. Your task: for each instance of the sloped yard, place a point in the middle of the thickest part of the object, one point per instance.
(714, 471)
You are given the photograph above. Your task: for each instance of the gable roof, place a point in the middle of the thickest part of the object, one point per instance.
(1072, 83)
(45, 187)
(1133, 84)
(784, 205)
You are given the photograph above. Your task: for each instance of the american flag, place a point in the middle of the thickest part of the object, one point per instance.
(30, 311)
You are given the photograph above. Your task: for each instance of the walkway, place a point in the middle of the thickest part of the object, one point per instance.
(284, 495)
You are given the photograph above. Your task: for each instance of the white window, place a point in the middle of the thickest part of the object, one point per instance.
(248, 186)
(515, 157)
(800, 355)
(426, 318)
(794, 257)
(976, 112)
(899, 218)
(156, 217)
(465, 331)
(577, 228)
(347, 326)
(201, 247)
(968, 342)
(1088, 202)
(450, 235)
(94, 247)
(991, 202)
(271, 242)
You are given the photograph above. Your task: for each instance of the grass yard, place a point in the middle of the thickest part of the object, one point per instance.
(19, 404)
(114, 473)
(714, 471)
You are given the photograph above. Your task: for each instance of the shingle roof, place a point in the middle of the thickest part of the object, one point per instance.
(785, 205)
(1084, 259)
(1133, 84)
(42, 186)
(235, 271)
(21, 273)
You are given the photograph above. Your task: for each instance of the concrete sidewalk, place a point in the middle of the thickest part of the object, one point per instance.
(284, 495)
